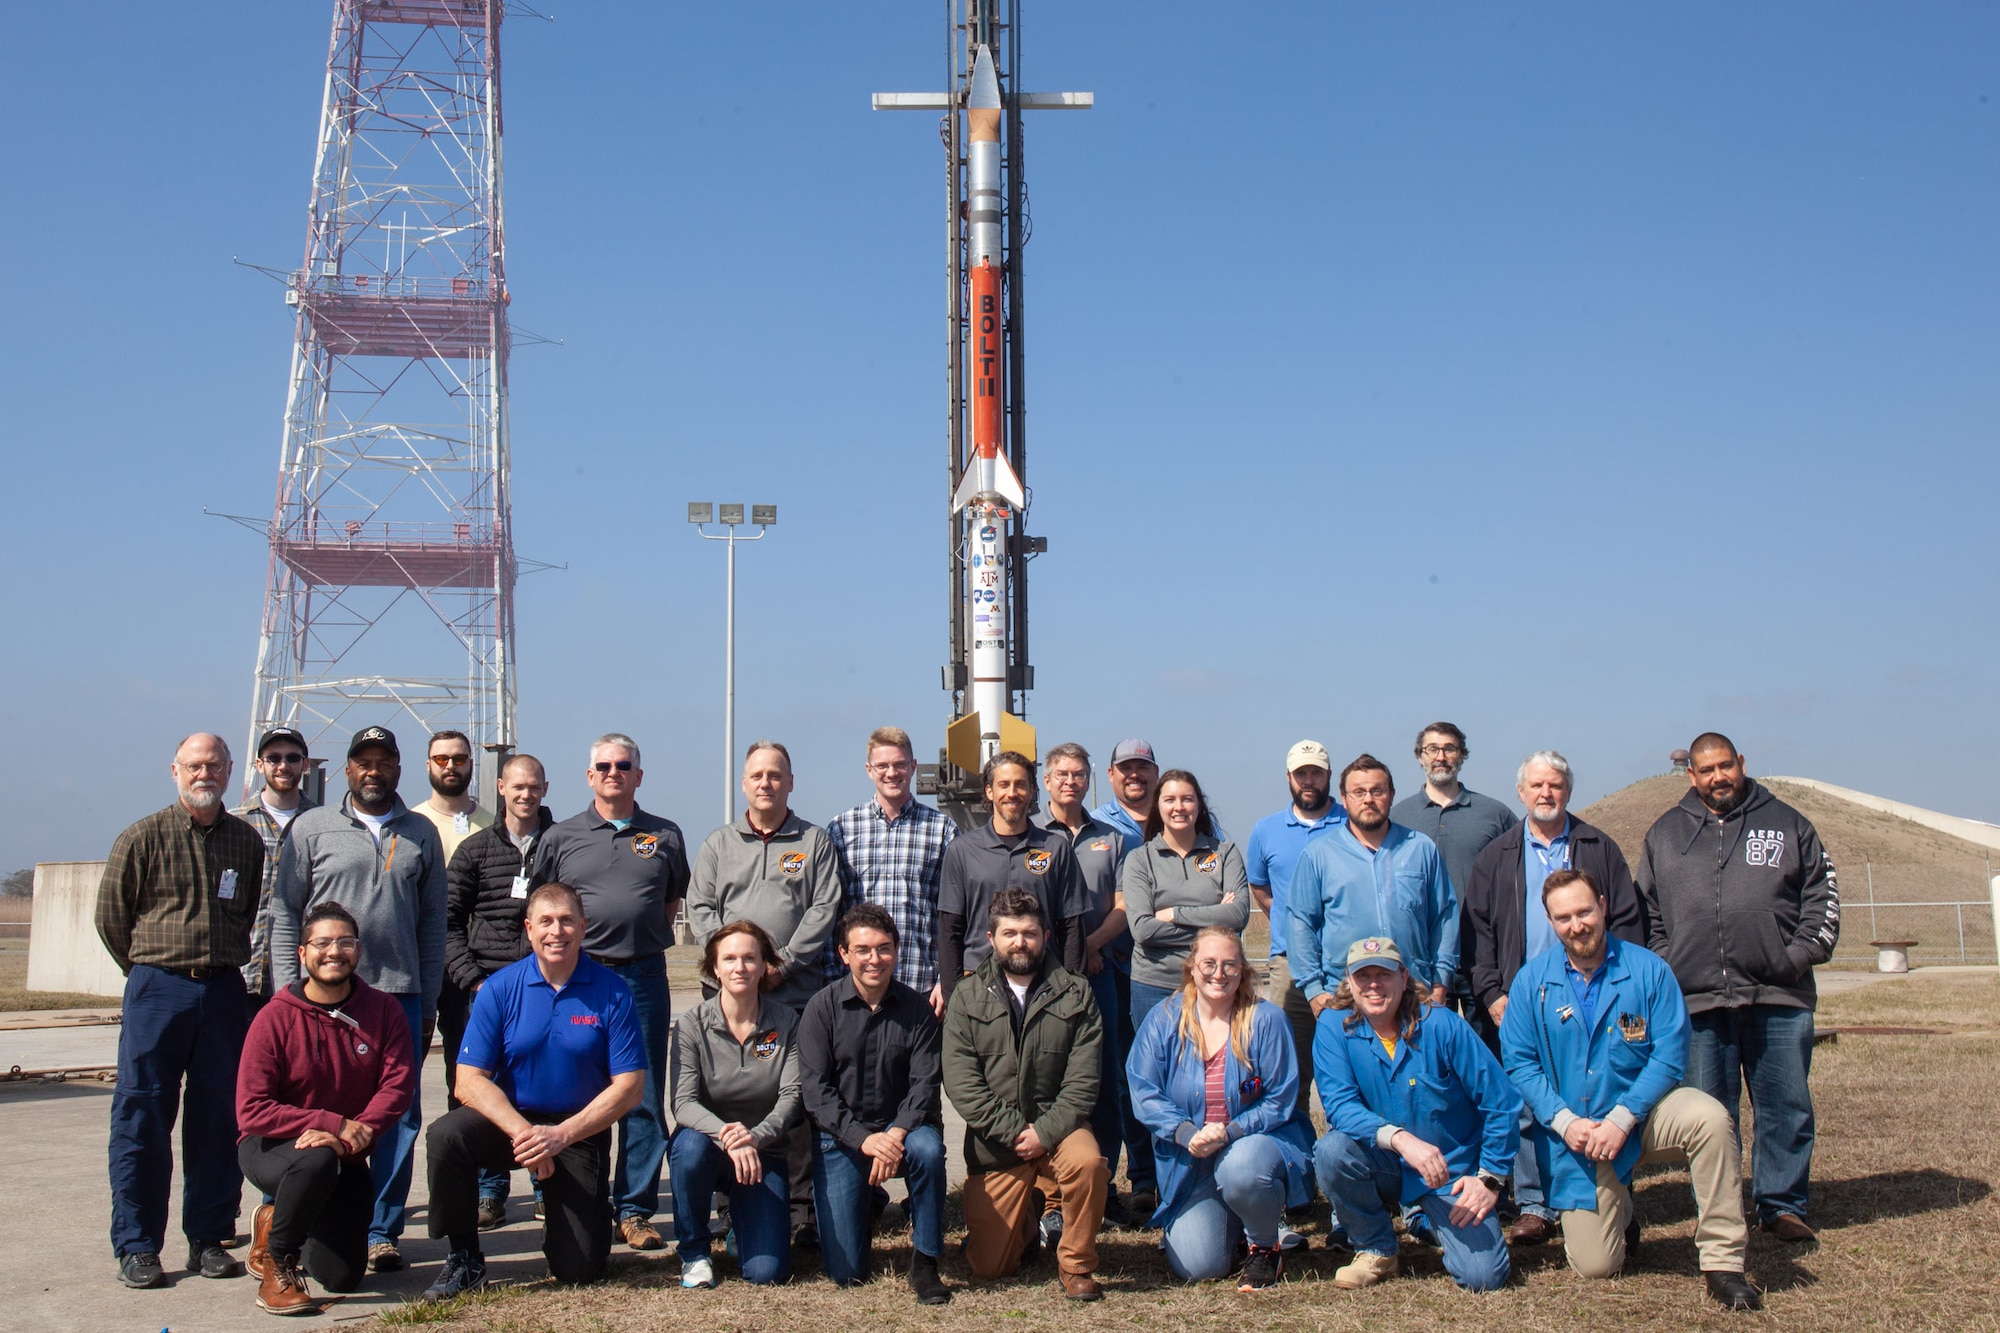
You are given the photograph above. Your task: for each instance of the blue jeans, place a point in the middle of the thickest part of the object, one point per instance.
(1529, 1195)
(1138, 1140)
(175, 1031)
(1365, 1184)
(1771, 1043)
(1240, 1192)
(642, 1134)
(395, 1153)
(840, 1199)
(761, 1213)
(1106, 1122)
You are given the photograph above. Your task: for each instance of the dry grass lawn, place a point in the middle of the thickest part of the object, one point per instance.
(1902, 1193)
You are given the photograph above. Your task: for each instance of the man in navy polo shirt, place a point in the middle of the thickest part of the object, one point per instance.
(552, 1058)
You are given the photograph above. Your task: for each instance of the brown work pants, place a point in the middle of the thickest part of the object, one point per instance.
(998, 1219)
(1687, 1123)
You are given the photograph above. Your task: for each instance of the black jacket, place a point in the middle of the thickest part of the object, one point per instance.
(1494, 924)
(1742, 905)
(482, 917)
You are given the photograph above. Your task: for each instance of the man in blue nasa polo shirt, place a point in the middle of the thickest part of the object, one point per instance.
(552, 1058)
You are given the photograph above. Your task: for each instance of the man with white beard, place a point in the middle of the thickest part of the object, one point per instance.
(174, 910)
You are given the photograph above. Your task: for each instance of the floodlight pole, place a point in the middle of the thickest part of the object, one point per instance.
(763, 517)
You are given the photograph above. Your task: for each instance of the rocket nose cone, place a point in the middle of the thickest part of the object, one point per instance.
(985, 82)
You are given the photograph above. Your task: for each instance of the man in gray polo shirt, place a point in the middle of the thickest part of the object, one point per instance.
(629, 867)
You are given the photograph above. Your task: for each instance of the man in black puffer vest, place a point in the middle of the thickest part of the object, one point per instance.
(1742, 903)
(486, 891)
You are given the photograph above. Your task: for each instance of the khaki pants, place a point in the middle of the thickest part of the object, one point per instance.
(1280, 990)
(998, 1221)
(1686, 1123)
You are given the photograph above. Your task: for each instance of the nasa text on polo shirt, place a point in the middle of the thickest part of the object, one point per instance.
(978, 865)
(552, 1051)
(627, 878)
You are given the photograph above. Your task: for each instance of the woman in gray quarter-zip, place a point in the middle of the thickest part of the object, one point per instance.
(735, 1072)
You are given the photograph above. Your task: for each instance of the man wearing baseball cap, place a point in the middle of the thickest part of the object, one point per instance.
(1275, 846)
(281, 762)
(1392, 1066)
(383, 862)
(1134, 773)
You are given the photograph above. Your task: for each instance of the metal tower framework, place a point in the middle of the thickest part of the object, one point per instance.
(392, 569)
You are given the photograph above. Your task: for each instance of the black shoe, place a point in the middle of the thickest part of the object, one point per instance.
(1261, 1270)
(805, 1236)
(1145, 1202)
(463, 1272)
(492, 1213)
(925, 1282)
(1117, 1214)
(141, 1269)
(210, 1260)
(1051, 1228)
(1632, 1244)
(1732, 1291)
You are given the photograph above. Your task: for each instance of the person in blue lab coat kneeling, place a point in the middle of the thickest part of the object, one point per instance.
(1419, 1112)
(1214, 1079)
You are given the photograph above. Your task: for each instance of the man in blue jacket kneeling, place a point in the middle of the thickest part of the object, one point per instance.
(1595, 1035)
(1418, 1113)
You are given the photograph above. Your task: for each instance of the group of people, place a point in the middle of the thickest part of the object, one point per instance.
(1075, 981)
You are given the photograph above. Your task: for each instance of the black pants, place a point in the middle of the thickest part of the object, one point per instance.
(321, 1204)
(454, 1011)
(576, 1239)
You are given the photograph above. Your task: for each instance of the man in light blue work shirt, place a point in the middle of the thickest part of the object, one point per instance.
(1276, 843)
(1134, 773)
(1369, 878)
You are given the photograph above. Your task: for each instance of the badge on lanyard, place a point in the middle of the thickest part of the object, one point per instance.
(520, 889)
(227, 888)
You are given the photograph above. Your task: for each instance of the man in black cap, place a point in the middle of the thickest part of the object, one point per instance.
(384, 863)
(281, 762)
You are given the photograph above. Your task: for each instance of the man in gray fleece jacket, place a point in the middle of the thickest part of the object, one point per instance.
(385, 865)
(1743, 904)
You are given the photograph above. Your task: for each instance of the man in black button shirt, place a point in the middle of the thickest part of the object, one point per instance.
(869, 1048)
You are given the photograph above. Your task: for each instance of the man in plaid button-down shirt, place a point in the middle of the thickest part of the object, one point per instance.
(891, 854)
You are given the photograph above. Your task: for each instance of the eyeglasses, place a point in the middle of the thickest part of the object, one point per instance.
(1208, 967)
(872, 951)
(339, 944)
(222, 767)
(284, 760)
(606, 765)
(1440, 751)
(885, 770)
(452, 760)
(1368, 793)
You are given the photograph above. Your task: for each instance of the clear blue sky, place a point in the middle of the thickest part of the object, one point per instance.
(1590, 375)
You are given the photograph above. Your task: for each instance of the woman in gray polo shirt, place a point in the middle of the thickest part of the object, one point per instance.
(1182, 879)
(735, 1071)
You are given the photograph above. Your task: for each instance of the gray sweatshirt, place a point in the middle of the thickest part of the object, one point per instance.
(718, 1080)
(790, 886)
(1156, 876)
(396, 892)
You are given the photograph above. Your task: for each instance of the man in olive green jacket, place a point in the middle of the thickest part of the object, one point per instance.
(1023, 1042)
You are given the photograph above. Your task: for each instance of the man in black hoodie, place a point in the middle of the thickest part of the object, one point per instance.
(1742, 903)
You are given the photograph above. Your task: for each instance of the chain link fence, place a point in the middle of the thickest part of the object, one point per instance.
(1947, 910)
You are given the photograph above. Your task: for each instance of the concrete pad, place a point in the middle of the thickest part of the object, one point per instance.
(56, 1266)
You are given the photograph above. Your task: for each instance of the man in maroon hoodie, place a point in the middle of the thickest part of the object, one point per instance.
(325, 1069)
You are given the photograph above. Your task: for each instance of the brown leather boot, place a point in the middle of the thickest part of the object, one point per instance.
(284, 1290)
(1080, 1287)
(258, 1261)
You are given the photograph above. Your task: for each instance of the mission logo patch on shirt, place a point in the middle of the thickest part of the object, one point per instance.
(1100, 846)
(1208, 862)
(792, 863)
(1037, 862)
(767, 1045)
(645, 844)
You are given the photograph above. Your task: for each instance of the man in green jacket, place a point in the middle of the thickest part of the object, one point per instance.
(1023, 1042)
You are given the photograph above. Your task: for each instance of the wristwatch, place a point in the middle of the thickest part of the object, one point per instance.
(1498, 1184)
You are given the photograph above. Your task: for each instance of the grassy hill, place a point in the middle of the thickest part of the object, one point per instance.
(1879, 858)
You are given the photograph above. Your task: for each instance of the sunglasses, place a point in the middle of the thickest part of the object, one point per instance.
(452, 760)
(284, 760)
(606, 765)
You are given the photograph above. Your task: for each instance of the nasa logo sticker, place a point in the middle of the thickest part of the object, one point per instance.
(1208, 862)
(792, 863)
(646, 845)
(767, 1045)
(1038, 862)
(989, 533)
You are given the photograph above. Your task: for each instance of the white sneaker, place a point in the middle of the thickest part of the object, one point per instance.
(697, 1273)
(1289, 1239)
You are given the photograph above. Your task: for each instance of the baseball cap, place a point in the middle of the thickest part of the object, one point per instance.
(1375, 951)
(281, 734)
(1133, 749)
(1308, 754)
(368, 736)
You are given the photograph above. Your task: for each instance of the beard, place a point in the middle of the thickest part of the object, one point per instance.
(1722, 800)
(1367, 825)
(375, 793)
(201, 798)
(1442, 772)
(1021, 962)
(1312, 800)
(452, 782)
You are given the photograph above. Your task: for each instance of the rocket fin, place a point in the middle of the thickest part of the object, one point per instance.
(968, 490)
(1006, 485)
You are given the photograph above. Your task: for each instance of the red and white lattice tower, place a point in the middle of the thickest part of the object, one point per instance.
(391, 590)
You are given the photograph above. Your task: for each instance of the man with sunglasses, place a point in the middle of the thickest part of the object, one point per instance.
(382, 861)
(629, 867)
(452, 808)
(281, 762)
